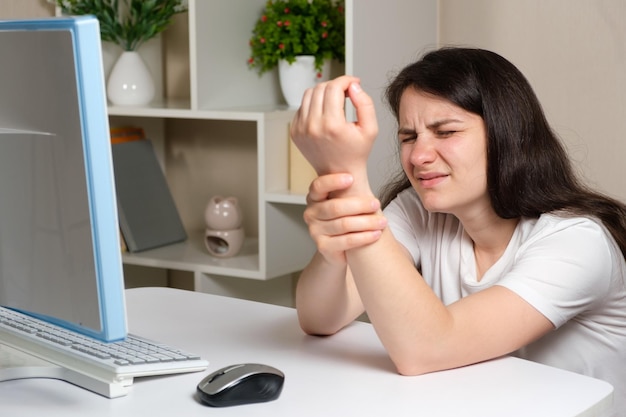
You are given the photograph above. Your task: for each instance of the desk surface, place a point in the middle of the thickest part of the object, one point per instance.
(343, 375)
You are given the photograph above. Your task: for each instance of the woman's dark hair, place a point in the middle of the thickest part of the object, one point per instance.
(528, 170)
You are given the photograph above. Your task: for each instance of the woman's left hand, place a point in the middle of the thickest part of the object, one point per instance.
(340, 224)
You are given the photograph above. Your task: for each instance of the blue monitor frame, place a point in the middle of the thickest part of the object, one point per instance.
(108, 296)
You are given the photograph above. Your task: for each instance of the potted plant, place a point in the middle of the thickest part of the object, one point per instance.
(290, 29)
(142, 21)
(129, 24)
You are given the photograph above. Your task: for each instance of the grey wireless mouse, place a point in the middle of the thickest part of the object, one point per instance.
(241, 384)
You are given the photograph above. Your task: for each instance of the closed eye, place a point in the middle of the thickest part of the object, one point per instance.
(445, 133)
(407, 138)
(406, 135)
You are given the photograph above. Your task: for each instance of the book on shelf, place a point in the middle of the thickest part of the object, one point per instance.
(123, 246)
(123, 134)
(147, 213)
(301, 173)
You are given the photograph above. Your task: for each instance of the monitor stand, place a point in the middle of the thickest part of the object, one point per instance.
(16, 364)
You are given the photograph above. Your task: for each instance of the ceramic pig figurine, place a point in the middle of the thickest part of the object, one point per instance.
(224, 235)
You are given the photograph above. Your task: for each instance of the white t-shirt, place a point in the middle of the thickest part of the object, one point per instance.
(569, 269)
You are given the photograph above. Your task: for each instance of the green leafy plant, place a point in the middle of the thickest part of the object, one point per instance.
(288, 28)
(136, 22)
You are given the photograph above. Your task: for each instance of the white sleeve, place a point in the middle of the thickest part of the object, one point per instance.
(563, 270)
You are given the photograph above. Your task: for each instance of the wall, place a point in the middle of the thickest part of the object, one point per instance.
(574, 54)
(25, 9)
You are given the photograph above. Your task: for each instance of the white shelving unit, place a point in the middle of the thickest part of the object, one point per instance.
(223, 130)
(278, 242)
(231, 118)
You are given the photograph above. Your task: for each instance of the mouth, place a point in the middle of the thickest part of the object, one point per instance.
(432, 179)
(426, 177)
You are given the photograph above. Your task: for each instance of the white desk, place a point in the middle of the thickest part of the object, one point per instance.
(347, 374)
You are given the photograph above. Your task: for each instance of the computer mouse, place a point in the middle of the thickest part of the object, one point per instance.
(241, 384)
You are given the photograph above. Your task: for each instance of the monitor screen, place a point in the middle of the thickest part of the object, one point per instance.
(59, 237)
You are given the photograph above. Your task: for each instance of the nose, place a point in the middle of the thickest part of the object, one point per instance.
(423, 151)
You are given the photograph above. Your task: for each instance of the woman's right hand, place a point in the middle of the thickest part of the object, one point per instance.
(341, 223)
(325, 135)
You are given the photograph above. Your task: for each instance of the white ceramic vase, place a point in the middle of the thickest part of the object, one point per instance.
(130, 82)
(295, 78)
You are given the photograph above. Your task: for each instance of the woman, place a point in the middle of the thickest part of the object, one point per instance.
(488, 245)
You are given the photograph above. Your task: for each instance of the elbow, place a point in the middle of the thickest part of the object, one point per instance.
(413, 365)
(315, 332)
(316, 329)
(410, 369)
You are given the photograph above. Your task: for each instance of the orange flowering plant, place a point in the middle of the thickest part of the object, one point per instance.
(288, 28)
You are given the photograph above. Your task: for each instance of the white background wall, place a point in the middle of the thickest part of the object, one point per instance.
(574, 54)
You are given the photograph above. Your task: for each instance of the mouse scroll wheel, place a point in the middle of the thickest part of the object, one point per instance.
(216, 376)
(224, 371)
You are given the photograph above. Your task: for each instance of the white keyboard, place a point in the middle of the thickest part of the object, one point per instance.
(105, 368)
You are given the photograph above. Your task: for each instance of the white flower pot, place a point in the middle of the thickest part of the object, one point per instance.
(297, 77)
(130, 82)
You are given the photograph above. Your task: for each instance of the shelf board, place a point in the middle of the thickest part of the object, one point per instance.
(180, 109)
(162, 108)
(191, 255)
(286, 197)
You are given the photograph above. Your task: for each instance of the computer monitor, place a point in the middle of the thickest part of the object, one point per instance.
(60, 255)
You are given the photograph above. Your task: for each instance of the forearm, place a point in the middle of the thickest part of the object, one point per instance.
(326, 297)
(408, 317)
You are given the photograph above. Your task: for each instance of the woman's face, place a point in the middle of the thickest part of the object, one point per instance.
(443, 150)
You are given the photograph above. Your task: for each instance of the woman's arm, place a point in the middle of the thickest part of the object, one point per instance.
(326, 298)
(419, 332)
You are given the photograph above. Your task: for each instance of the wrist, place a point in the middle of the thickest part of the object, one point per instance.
(360, 186)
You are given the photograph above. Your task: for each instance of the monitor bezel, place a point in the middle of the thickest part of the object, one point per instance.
(98, 167)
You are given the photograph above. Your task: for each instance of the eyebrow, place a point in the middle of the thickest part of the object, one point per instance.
(434, 125)
(406, 131)
(443, 122)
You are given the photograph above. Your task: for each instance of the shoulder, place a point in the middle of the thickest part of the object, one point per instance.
(563, 265)
(567, 238)
(563, 232)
